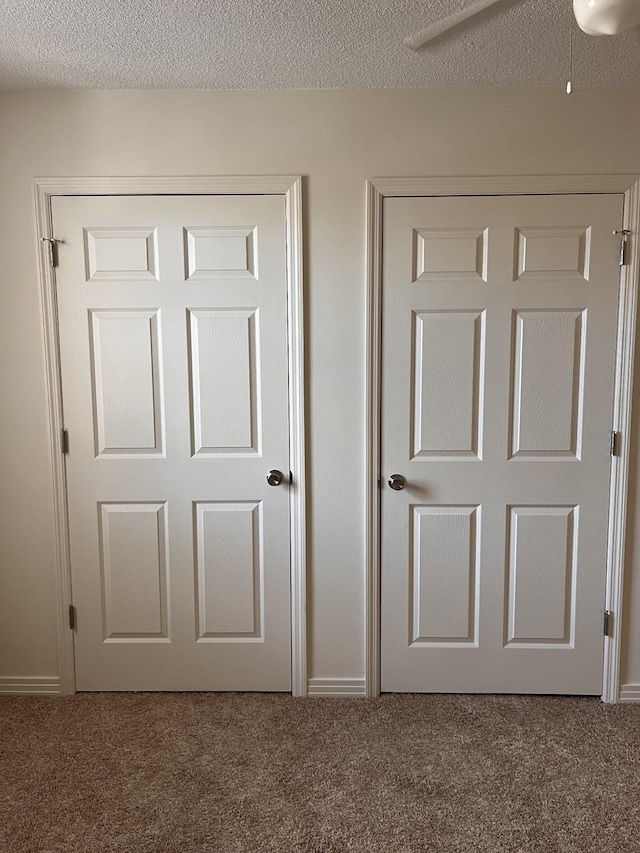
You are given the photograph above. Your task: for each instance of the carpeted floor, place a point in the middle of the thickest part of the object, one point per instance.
(247, 773)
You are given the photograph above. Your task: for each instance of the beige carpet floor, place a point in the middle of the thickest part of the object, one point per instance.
(184, 773)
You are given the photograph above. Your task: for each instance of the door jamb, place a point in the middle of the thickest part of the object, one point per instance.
(290, 187)
(379, 188)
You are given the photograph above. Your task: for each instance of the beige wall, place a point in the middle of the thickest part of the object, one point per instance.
(336, 140)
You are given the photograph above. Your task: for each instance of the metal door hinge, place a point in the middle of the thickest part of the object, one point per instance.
(615, 441)
(624, 237)
(64, 441)
(53, 252)
(607, 623)
(72, 617)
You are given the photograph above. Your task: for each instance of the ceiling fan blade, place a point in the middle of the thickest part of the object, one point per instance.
(419, 39)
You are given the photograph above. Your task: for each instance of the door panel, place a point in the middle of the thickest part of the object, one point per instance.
(498, 355)
(173, 346)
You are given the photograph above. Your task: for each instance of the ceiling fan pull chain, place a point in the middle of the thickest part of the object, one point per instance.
(570, 84)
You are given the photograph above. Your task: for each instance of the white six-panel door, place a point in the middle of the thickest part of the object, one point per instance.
(173, 348)
(498, 351)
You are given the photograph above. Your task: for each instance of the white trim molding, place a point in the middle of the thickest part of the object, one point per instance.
(336, 688)
(622, 410)
(297, 442)
(629, 693)
(290, 187)
(30, 685)
(379, 188)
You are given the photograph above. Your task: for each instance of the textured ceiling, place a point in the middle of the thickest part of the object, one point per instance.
(298, 44)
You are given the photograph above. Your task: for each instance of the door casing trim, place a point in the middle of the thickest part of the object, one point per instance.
(376, 191)
(290, 187)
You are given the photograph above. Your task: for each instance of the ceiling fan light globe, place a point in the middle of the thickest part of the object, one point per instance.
(606, 17)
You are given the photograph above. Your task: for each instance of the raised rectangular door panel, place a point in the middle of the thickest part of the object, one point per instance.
(444, 575)
(449, 384)
(230, 572)
(548, 379)
(543, 558)
(174, 362)
(450, 254)
(553, 253)
(134, 563)
(220, 253)
(128, 388)
(121, 254)
(225, 381)
(498, 354)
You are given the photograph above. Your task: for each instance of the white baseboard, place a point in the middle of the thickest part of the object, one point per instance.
(337, 687)
(12, 685)
(629, 693)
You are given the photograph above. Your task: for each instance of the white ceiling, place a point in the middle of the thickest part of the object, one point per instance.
(298, 44)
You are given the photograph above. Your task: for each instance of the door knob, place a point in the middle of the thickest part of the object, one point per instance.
(275, 477)
(396, 482)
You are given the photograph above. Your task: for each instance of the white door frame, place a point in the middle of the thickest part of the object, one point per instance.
(290, 187)
(377, 190)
